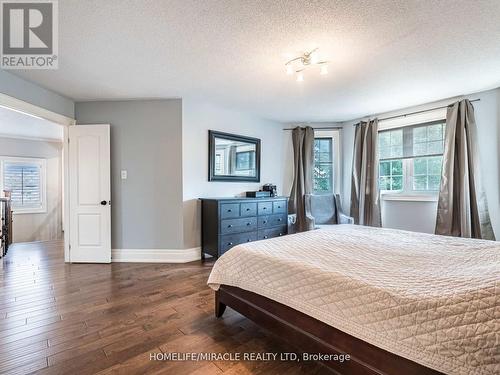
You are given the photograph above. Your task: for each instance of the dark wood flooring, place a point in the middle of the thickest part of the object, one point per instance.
(58, 318)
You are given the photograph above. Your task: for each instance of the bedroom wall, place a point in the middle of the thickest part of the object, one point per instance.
(146, 140)
(420, 216)
(29, 227)
(199, 117)
(19, 88)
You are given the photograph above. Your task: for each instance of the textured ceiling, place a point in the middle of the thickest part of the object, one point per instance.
(16, 124)
(385, 54)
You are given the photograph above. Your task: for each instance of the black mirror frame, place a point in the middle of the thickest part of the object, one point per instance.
(212, 134)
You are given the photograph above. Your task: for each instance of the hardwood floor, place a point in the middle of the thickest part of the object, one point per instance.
(58, 318)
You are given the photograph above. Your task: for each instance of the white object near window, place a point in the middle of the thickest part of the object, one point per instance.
(25, 178)
(411, 159)
(326, 173)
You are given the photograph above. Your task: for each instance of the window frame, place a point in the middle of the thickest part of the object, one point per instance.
(42, 164)
(408, 193)
(334, 135)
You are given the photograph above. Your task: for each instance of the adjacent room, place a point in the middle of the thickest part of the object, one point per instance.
(236, 187)
(31, 173)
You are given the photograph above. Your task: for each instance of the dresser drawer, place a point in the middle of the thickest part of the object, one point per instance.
(229, 210)
(279, 207)
(272, 232)
(245, 224)
(230, 240)
(271, 221)
(265, 208)
(248, 209)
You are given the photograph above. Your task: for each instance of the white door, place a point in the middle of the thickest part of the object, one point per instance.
(89, 194)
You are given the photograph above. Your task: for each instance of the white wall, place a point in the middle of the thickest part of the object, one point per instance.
(420, 216)
(40, 226)
(198, 118)
(417, 216)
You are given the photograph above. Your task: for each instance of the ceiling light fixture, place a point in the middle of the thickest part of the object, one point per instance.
(306, 61)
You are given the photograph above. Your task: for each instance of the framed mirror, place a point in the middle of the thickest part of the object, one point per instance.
(233, 157)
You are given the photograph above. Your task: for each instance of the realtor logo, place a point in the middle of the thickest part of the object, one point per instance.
(29, 34)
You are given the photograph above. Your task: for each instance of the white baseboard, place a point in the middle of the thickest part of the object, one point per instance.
(156, 255)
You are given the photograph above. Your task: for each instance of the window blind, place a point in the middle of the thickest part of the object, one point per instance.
(24, 182)
(424, 140)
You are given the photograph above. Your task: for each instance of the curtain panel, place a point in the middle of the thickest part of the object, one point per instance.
(365, 202)
(462, 206)
(303, 164)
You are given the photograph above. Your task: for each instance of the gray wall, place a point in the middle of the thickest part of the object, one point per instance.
(39, 226)
(146, 140)
(420, 216)
(29, 92)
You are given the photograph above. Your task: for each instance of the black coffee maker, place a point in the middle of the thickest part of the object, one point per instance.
(271, 189)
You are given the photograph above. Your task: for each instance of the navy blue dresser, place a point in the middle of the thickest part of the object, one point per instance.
(227, 222)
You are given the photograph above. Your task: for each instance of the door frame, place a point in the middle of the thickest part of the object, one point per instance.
(29, 109)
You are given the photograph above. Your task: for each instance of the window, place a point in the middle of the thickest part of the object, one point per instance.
(411, 158)
(323, 166)
(25, 179)
(245, 160)
(327, 161)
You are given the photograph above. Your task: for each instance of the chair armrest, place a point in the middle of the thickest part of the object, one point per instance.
(344, 219)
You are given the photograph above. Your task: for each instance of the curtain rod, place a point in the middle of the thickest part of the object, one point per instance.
(391, 117)
(422, 111)
(324, 128)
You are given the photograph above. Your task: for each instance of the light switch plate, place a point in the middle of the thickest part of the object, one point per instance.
(124, 174)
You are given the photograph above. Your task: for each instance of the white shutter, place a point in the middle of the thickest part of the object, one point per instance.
(25, 180)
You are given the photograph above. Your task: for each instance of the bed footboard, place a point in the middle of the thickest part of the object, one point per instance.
(309, 335)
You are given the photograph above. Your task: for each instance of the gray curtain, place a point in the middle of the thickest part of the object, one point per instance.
(303, 163)
(462, 207)
(365, 203)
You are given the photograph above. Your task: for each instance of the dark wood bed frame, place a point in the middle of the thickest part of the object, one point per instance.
(315, 336)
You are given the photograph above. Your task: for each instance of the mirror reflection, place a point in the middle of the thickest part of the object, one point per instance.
(234, 158)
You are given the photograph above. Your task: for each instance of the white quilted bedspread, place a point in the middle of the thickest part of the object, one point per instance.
(432, 299)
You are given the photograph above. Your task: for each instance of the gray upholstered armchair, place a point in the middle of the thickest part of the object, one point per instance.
(326, 210)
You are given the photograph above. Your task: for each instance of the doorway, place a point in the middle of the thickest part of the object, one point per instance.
(33, 171)
(31, 177)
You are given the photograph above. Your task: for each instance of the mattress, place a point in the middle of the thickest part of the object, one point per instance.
(431, 299)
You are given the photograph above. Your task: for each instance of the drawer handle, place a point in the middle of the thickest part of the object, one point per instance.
(264, 208)
(265, 236)
(248, 209)
(249, 240)
(229, 210)
(230, 226)
(279, 206)
(265, 222)
(229, 243)
(279, 219)
(249, 223)
(281, 234)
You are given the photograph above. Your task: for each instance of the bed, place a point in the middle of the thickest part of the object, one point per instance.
(395, 301)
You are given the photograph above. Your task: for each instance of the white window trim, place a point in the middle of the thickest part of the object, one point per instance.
(43, 182)
(335, 136)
